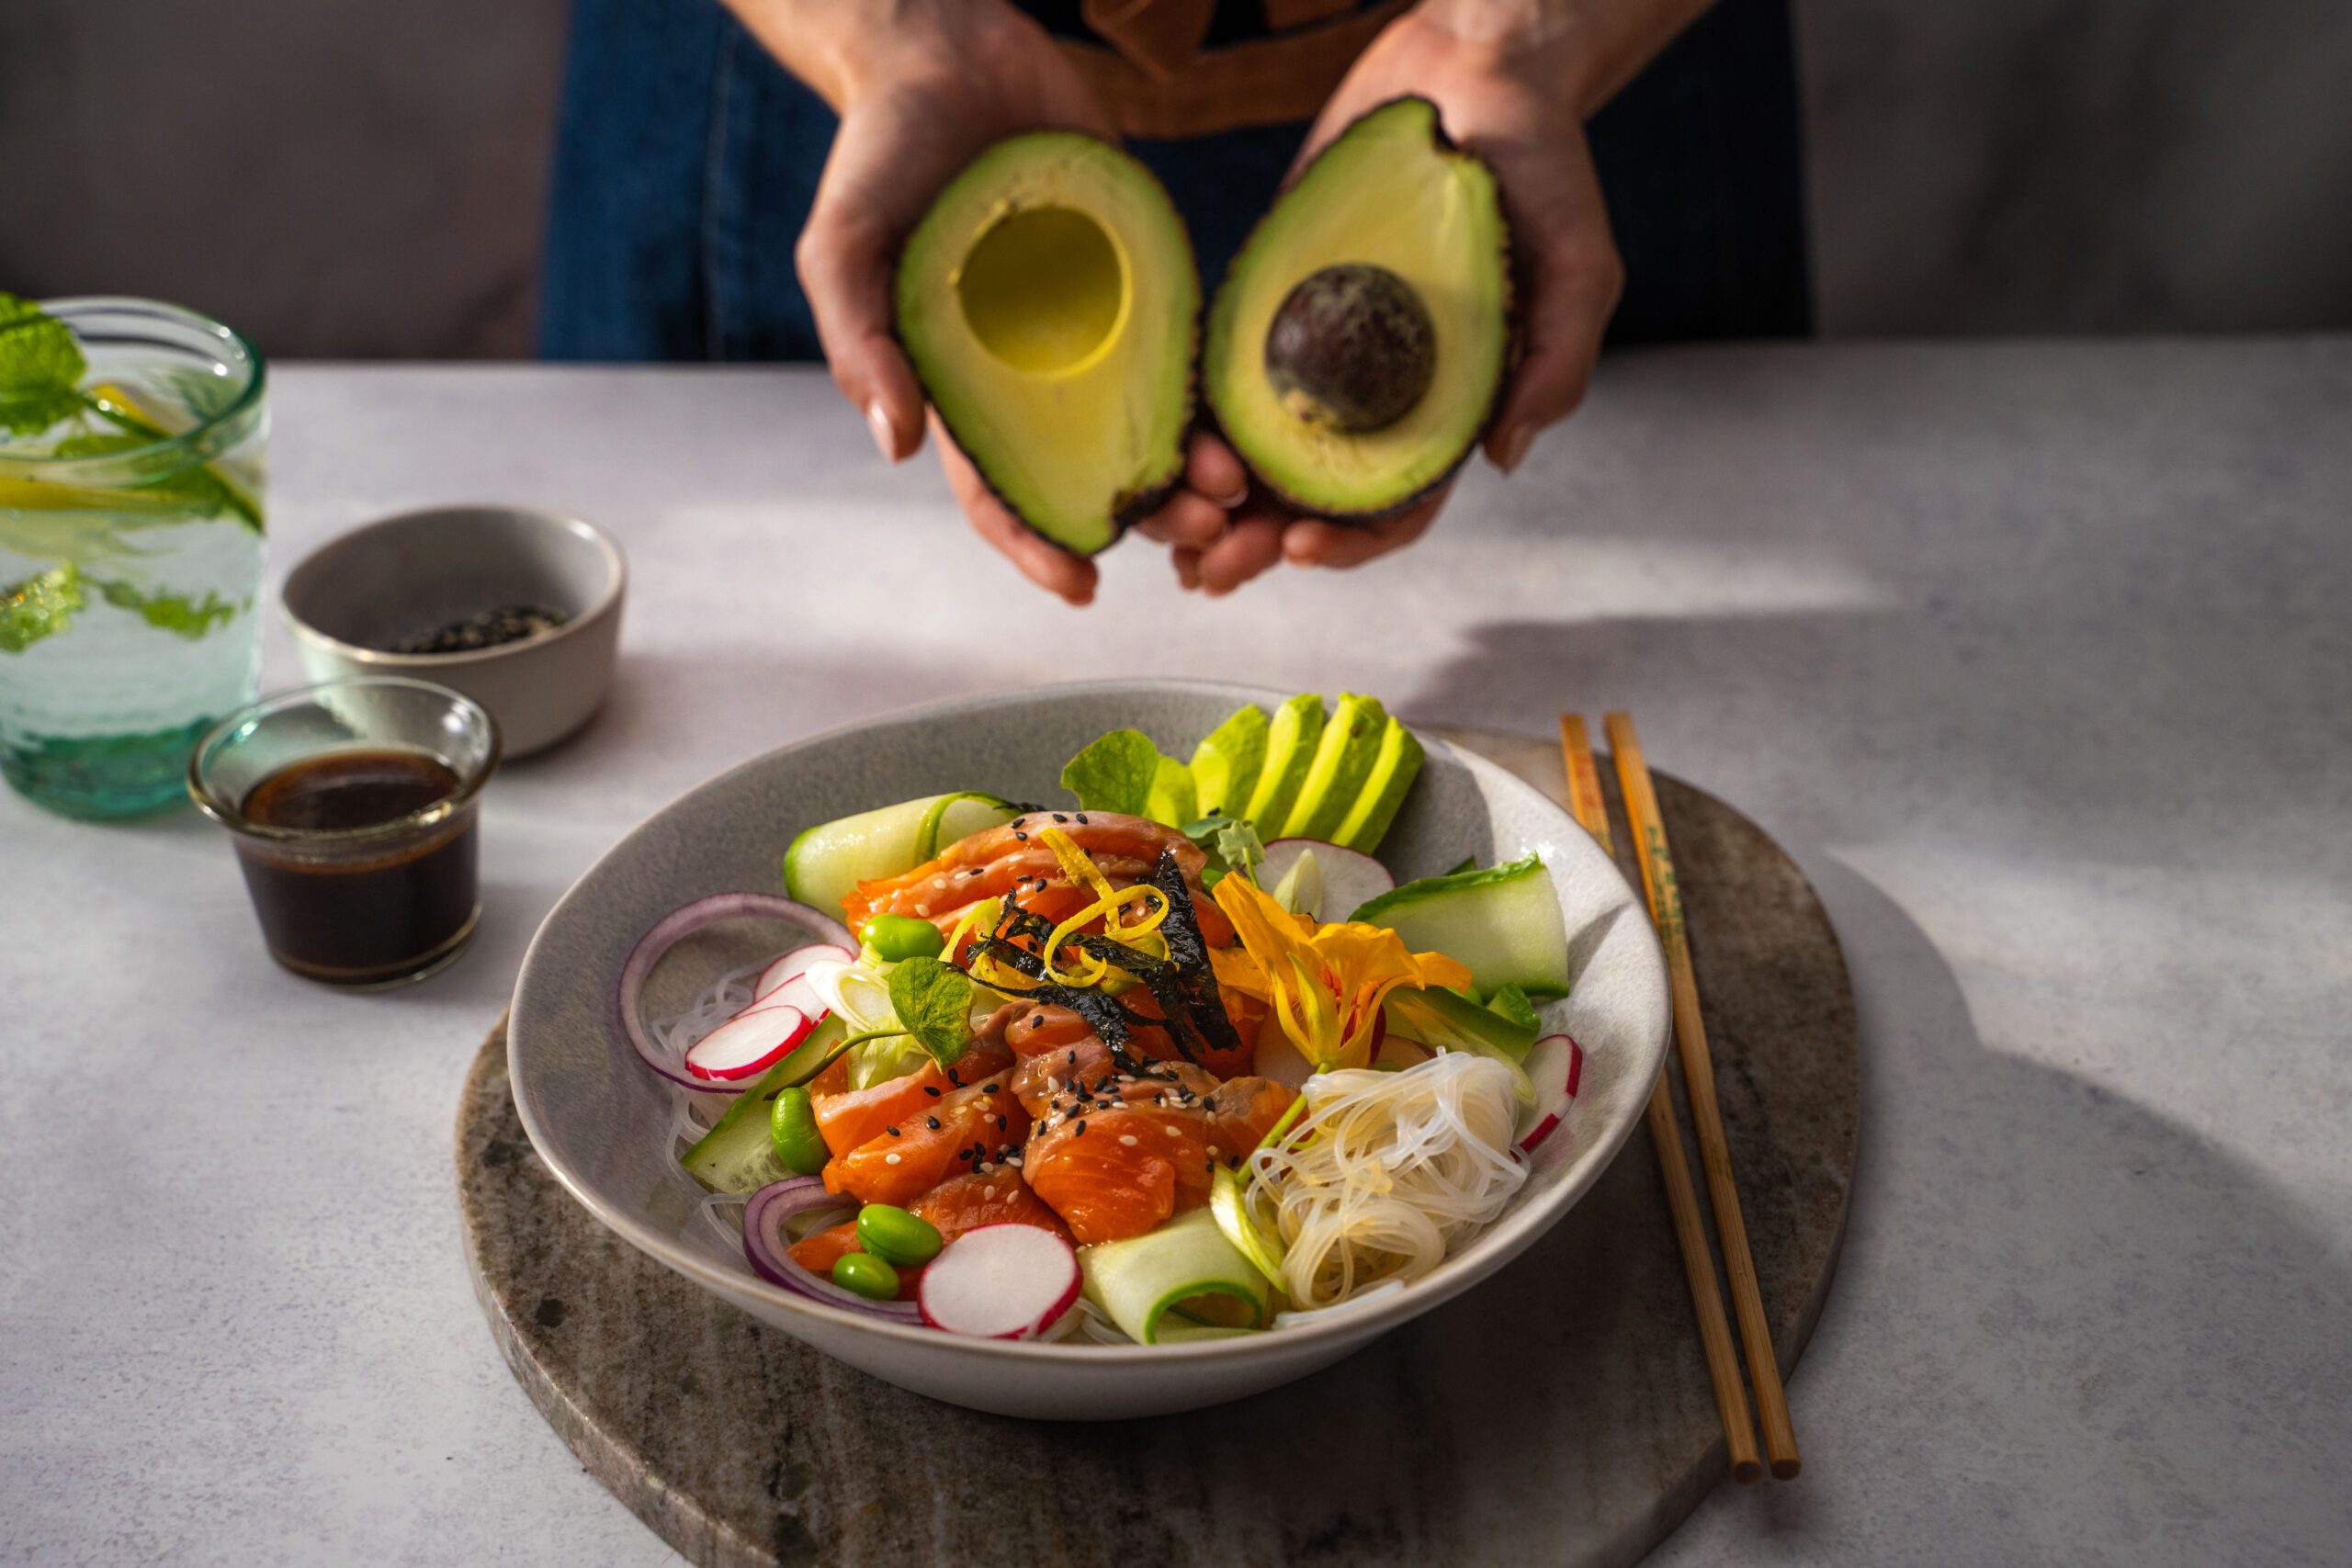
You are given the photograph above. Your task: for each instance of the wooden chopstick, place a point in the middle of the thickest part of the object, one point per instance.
(1699, 1082)
(1666, 1135)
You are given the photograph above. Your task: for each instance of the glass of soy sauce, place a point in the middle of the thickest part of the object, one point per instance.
(352, 805)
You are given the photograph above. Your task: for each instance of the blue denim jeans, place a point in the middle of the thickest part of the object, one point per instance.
(686, 160)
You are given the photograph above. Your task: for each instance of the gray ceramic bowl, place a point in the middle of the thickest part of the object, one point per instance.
(360, 593)
(603, 1122)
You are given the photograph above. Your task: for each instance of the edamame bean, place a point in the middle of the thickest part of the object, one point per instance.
(896, 937)
(889, 1232)
(867, 1275)
(792, 1127)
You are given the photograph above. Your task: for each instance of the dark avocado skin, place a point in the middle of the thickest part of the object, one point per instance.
(1132, 508)
(1354, 345)
(1214, 421)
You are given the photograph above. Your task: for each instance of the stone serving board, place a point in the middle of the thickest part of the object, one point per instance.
(1558, 1413)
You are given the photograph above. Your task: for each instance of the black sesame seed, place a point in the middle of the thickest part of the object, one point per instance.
(1078, 1128)
(1000, 1123)
(892, 1131)
(933, 1122)
(1021, 836)
(1037, 1020)
(1081, 819)
(931, 1089)
(990, 1088)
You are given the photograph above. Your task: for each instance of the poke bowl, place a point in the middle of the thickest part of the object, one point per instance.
(647, 1039)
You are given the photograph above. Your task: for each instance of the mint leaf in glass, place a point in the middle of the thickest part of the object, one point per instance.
(41, 368)
(171, 613)
(39, 606)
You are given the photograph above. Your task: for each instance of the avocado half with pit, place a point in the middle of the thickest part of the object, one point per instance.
(1355, 350)
(1048, 302)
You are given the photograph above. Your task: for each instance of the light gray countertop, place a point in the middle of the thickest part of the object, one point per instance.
(2036, 655)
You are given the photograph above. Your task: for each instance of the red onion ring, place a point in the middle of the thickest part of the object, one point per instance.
(683, 922)
(766, 1248)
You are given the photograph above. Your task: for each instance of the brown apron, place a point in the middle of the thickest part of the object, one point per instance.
(1156, 80)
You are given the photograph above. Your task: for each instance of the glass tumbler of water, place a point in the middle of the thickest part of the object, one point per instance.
(132, 438)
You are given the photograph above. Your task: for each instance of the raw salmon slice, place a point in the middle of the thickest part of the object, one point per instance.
(967, 1130)
(1117, 1154)
(990, 1198)
(1012, 862)
(847, 1117)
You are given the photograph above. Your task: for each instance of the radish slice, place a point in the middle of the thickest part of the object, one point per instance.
(767, 1248)
(674, 928)
(1348, 879)
(1000, 1282)
(749, 1044)
(796, 992)
(1553, 1064)
(793, 964)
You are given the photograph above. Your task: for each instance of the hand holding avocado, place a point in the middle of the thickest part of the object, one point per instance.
(1513, 82)
(1044, 303)
(921, 88)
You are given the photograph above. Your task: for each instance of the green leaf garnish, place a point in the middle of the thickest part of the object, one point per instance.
(1231, 843)
(1124, 772)
(41, 367)
(933, 1001)
(1238, 846)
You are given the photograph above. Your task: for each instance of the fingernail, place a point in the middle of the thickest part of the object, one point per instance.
(1240, 493)
(1515, 446)
(885, 437)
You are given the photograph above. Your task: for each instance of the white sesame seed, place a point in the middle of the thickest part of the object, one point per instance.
(1128, 1139)
(1171, 1129)
(1213, 1151)
(890, 1159)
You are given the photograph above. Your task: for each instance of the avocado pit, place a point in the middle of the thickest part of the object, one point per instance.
(1351, 348)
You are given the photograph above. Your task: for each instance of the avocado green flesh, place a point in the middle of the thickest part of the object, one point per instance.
(1290, 740)
(1047, 302)
(1394, 767)
(1343, 760)
(1388, 192)
(1226, 762)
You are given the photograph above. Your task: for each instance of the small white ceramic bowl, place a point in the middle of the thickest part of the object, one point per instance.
(360, 593)
(604, 1124)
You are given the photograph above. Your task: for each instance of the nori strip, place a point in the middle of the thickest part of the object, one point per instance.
(1159, 977)
(1113, 1023)
(1190, 954)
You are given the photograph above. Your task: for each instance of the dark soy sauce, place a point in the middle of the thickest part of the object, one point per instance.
(360, 912)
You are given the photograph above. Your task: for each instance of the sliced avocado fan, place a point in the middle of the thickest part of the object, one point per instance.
(1047, 302)
(1385, 268)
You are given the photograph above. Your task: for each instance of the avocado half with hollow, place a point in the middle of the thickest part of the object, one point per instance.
(1356, 347)
(1048, 302)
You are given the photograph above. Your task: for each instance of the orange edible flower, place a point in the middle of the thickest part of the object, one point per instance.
(1323, 983)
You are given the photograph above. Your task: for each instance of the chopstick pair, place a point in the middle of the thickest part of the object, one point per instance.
(1664, 897)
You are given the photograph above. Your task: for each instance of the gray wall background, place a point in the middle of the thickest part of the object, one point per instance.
(364, 179)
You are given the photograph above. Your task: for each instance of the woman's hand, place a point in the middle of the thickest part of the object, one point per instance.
(920, 87)
(1513, 81)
